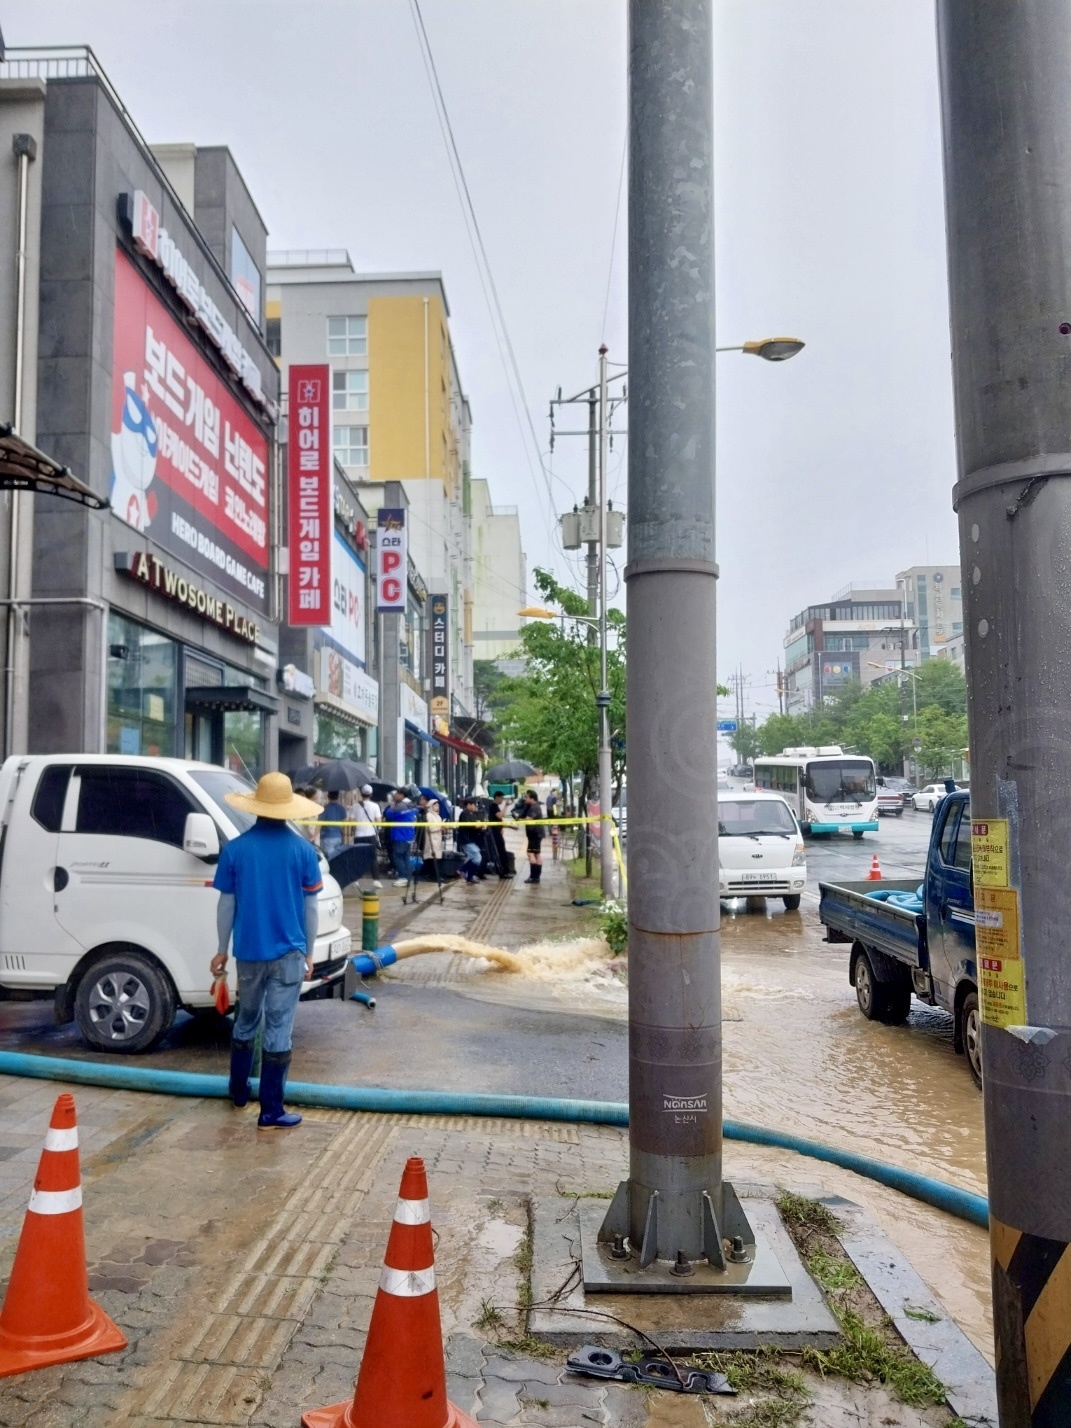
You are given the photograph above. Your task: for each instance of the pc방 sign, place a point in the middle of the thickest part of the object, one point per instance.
(311, 520)
(392, 555)
(347, 600)
(189, 464)
(439, 654)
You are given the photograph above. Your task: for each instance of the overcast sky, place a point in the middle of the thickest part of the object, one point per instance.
(832, 468)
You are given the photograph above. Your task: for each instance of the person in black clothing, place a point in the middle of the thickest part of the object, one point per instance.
(534, 836)
(469, 841)
(498, 842)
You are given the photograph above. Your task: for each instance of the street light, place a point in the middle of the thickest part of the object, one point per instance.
(770, 349)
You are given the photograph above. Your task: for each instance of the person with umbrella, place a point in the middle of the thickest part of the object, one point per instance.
(333, 816)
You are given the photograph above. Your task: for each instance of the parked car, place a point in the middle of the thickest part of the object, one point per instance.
(902, 785)
(742, 771)
(927, 799)
(891, 801)
(106, 901)
(760, 848)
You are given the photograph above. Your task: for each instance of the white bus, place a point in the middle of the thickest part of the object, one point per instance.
(826, 788)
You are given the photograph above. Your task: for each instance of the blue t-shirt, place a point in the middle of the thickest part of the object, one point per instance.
(334, 813)
(270, 869)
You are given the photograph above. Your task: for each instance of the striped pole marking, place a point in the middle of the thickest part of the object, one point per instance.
(1032, 1278)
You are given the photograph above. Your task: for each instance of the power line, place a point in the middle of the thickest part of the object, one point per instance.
(613, 241)
(483, 263)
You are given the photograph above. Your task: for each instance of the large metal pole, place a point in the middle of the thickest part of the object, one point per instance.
(593, 493)
(606, 837)
(1006, 101)
(674, 953)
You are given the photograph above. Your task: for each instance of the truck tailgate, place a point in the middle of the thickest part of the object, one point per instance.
(846, 910)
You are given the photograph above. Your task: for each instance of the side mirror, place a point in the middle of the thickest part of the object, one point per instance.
(201, 837)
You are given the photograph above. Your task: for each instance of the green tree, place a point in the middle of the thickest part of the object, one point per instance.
(941, 683)
(487, 680)
(944, 740)
(549, 715)
(746, 741)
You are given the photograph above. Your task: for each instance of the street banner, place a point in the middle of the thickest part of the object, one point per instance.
(392, 556)
(189, 464)
(311, 521)
(439, 654)
(347, 600)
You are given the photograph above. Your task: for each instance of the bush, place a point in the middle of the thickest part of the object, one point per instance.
(613, 924)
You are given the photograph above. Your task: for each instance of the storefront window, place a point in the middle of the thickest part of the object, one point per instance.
(142, 684)
(339, 739)
(414, 749)
(243, 742)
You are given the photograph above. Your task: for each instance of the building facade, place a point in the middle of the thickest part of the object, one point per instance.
(933, 599)
(860, 635)
(500, 576)
(149, 627)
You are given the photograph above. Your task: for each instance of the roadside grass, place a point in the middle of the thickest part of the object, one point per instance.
(494, 1322)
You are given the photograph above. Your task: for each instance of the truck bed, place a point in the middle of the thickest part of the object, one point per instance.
(852, 916)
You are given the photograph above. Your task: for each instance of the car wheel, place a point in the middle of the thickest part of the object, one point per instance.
(866, 987)
(124, 1003)
(791, 902)
(970, 1035)
(857, 832)
(897, 1003)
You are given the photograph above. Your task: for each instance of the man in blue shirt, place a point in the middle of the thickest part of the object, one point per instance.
(269, 883)
(332, 836)
(401, 815)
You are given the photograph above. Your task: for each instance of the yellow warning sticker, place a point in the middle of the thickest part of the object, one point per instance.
(996, 922)
(989, 848)
(1003, 991)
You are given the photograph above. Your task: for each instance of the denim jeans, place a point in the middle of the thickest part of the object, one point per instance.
(399, 856)
(472, 854)
(330, 841)
(269, 989)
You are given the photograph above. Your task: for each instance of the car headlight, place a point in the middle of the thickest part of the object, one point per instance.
(799, 857)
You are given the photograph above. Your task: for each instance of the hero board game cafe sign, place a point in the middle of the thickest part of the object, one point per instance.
(189, 464)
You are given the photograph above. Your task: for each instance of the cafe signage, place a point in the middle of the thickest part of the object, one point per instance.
(150, 570)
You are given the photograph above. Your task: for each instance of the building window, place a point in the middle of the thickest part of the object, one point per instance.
(142, 689)
(273, 336)
(349, 391)
(351, 445)
(957, 594)
(347, 336)
(957, 627)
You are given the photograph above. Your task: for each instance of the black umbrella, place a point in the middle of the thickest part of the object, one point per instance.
(334, 775)
(508, 772)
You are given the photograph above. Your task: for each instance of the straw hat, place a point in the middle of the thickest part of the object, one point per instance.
(274, 798)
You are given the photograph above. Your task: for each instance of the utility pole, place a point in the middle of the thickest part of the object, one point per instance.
(671, 1207)
(593, 465)
(1005, 69)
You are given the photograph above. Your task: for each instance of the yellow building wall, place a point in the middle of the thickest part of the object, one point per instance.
(409, 436)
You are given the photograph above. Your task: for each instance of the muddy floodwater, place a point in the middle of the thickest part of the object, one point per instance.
(799, 1057)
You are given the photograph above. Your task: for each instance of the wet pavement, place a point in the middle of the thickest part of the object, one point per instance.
(798, 1057)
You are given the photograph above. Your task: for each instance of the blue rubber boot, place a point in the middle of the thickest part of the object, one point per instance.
(273, 1068)
(241, 1065)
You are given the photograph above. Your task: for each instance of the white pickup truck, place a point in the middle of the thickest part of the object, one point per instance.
(106, 901)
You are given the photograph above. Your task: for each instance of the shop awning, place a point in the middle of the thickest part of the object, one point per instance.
(461, 745)
(24, 468)
(419, 732)
(231, 698)
(361, 717)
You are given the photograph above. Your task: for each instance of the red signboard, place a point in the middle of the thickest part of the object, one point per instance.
(311, 512)
(189, 465)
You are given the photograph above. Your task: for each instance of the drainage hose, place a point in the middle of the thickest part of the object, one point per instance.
(961, 1203)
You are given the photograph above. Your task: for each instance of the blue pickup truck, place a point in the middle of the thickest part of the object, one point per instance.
(898, 950)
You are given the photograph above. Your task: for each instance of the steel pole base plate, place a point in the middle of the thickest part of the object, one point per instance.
(603, 1274)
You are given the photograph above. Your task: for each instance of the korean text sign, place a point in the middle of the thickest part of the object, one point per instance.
(439, 654)
(310, 507)
(347, 600)
(392, 558)
(189, 464)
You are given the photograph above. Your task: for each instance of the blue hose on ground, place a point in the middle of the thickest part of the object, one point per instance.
(367, 964)
(961, 1203)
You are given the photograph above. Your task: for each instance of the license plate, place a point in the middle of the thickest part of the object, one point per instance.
(341, 947)
(759, 877)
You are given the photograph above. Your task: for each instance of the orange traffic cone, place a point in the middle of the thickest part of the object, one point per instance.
(48, 1316)
(874, 876)
(402, 1381)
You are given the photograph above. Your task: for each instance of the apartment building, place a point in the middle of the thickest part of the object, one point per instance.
(933, 601)
(500, 576)
(860, 635)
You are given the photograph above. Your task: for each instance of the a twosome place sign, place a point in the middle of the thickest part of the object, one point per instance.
(151, 571)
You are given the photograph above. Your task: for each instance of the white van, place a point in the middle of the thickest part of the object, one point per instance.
(106, 901)
(760, 848)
